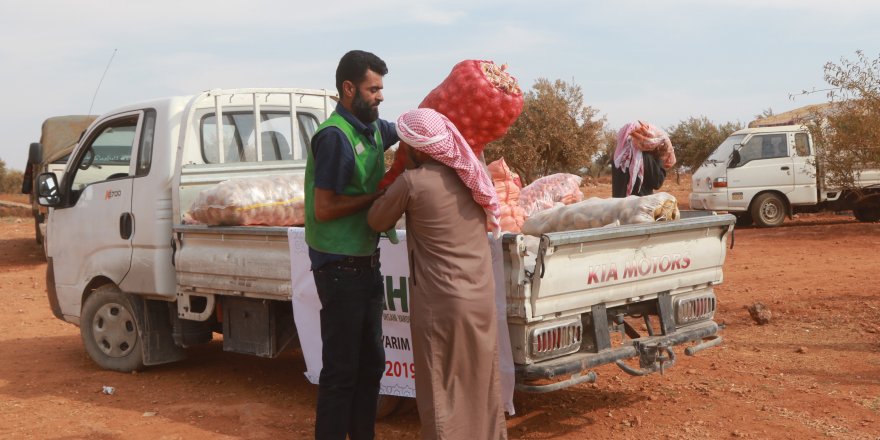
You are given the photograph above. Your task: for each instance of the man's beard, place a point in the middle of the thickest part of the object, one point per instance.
(363, 110)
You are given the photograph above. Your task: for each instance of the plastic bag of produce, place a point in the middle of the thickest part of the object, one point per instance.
(270, 201)
(512, 216)
(596, 212)
(547, 191)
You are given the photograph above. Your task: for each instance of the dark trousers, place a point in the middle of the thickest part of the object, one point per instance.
(352, 299)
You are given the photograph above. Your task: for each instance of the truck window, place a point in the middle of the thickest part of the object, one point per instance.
(802, 144)
(107, 155)
(145, 150)
(239, 136)
(764, 146)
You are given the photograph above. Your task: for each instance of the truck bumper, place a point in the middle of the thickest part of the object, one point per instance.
(709, 201)
(578, 364)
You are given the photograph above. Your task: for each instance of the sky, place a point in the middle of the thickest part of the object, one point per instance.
(656, 61)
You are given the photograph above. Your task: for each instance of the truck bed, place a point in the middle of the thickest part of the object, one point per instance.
(574, 270)
(248, 261)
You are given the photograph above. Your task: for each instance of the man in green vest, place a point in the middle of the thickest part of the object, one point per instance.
(344, 166)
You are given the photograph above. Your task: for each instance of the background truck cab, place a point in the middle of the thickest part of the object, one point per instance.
(764, 174)
(58, 137)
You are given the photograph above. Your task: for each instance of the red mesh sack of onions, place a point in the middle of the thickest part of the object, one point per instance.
(480, 97)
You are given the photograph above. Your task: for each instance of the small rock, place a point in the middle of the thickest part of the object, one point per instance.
(149, 414)
(801, 350)
(760, 313)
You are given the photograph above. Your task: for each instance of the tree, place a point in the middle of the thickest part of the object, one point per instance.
(605, 155)
(10, 180)
(696, 138)
(555, 133)
(765, 114)
(849, 135)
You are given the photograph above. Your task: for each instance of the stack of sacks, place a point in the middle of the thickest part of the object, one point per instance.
(549, 191)
(596, 212)
(270, 201)
(512, 216)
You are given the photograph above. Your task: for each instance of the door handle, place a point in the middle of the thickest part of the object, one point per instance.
(126, 225)
(784, 168)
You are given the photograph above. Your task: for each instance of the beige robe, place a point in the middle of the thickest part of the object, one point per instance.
(452, 305)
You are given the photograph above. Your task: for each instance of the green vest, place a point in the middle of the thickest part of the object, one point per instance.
(349, 235)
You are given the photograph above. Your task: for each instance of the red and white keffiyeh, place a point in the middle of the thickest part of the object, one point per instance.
(428, 131)
(635, 138)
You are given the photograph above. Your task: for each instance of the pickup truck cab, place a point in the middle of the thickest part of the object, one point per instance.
(142, 284)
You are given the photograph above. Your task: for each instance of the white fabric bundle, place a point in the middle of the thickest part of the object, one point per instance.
(595, 212)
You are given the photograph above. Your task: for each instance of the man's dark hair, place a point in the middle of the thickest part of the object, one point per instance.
(354, 65)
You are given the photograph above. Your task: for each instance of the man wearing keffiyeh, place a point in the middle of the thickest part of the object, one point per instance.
(450, 203)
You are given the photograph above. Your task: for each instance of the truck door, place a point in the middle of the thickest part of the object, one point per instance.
(805, 191)
(764, 163)
(90, 231)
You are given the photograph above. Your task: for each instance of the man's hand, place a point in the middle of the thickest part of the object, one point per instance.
(329, 205)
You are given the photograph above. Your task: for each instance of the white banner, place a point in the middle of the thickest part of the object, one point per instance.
(399, 368)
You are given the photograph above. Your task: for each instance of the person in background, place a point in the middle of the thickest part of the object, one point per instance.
(450, 203)
(343, 169)
(640, 160)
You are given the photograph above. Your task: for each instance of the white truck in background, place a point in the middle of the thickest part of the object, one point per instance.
(142, 285)
(58, 137)
(763, 174)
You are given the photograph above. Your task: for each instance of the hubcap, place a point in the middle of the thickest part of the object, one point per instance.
(770, 211)
(114, 330)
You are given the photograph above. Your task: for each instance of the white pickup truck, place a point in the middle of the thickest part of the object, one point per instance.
(142, 285)
(763, 174)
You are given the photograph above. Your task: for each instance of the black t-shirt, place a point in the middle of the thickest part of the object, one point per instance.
(654, 174)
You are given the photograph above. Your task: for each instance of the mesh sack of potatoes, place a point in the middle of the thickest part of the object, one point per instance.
(548, 191)
(269, 201)
(596, 212)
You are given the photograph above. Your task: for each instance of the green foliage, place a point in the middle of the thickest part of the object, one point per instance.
(696, 138)
(556, 133)
(605, 155)
(849, 135)
(10, 180)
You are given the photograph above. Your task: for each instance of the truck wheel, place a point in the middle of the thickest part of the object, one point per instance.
(867, 214)
(768, 210)
(109, 329)
(37, 232)
(743, 219)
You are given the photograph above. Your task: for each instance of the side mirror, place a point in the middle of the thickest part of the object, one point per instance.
(48, 194)
(735, 158)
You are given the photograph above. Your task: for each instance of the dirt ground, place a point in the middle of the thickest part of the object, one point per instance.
(812, 372)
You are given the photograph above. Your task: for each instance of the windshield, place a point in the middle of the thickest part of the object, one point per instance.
(723, 151)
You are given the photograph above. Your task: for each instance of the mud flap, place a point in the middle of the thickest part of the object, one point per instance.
(158, 342)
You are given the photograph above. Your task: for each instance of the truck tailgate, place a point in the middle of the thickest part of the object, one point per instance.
(577, 269)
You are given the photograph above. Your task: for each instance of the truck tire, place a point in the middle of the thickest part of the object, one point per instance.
(110, 331)
(37, 232)
(867, 215)
(768, 210)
